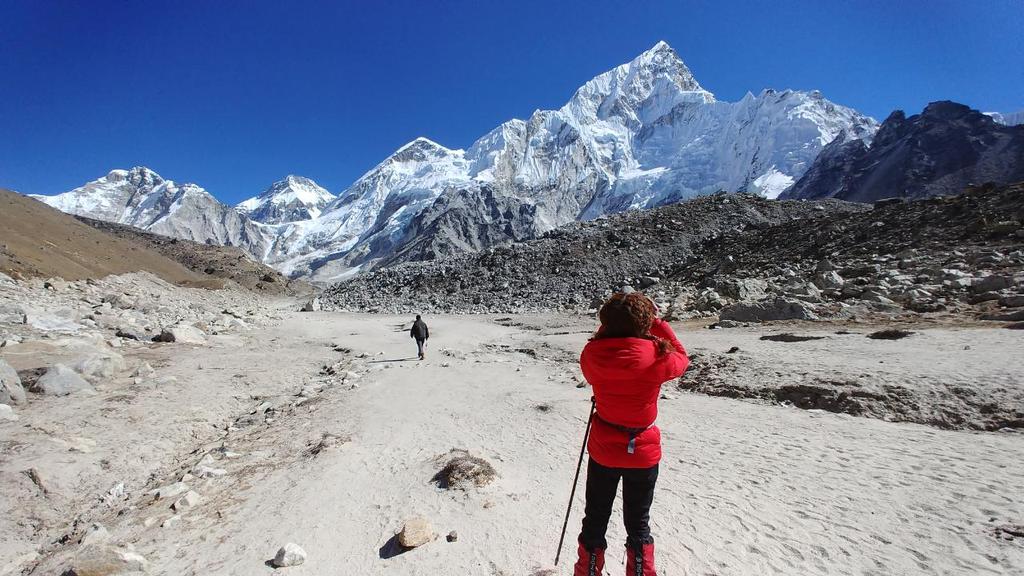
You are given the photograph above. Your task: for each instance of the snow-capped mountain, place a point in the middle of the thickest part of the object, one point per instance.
(641, 135)
(142, 198)
(1008, 119)
(289, 200)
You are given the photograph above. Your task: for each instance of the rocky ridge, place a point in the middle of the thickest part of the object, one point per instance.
(227, 265)
(935, 153)
(741, 257)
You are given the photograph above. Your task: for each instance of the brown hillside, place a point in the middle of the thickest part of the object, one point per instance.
(39, 241)
(208, 260)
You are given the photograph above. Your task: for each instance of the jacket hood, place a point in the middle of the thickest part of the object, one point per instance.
(621, 355)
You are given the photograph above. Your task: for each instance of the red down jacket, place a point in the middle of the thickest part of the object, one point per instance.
(627, 374)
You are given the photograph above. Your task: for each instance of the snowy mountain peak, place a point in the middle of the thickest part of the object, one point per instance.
(291, 199)
(421, 149)
(638, 92)
(142, 198)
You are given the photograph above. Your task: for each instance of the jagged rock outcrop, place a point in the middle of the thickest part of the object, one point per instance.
(935, 153)
(959, 255)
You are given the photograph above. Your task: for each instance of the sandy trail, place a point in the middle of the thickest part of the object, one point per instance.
(745, 488)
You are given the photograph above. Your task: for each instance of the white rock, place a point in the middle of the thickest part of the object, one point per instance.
(170, 521)
(104, 560)
(182, 333)
(290, 554)
(48, 322)
(11, 391)
(189, 500)
(7, 414)
(102, 366)
(60, 380)
(416, 532)
(169, 491)
(143, 370)
(94, 534)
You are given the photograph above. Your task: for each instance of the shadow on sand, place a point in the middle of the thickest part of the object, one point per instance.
(392, 548)
(409, 359)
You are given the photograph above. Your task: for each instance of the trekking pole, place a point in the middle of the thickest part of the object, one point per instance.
(586, 434)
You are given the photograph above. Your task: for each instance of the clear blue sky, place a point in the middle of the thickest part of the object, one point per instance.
(235, 95)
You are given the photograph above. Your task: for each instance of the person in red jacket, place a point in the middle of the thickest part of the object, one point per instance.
(632, 354)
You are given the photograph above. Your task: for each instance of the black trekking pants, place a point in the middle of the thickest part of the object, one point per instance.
(637, 495)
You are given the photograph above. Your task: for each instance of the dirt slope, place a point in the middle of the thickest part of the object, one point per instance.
(223, 262)
(39, 241)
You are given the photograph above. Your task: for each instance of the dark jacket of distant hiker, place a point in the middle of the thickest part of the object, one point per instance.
(419, 330)
(627, 374)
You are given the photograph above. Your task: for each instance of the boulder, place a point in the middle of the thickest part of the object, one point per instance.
(12, 314)
(101, 366)
(804, 291)
(181, 333)
(708, 300)
(1012, 301)
(105, 560)
(312, 305)
(59, 380)
(742, 288)
(829, 280)
(7, 414)
(416, 532)
(290, 554)
(169, 491)
(47, 322)
(876, 298)
(188, 500)
(991, 283)
(772, 309)
(11, 391)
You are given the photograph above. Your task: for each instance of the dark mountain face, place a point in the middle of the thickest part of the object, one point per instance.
(935, 153)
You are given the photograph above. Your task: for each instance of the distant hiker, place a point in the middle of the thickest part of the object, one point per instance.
(420, 332)
(626, 361)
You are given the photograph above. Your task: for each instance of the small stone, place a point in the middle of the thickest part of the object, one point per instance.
(171, 521)
(416, 532)
(7, 414)
(290, 554)
(190, 499)
(169, 491)
(453, 536)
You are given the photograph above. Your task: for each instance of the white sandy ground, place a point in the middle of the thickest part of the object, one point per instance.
(745, 488)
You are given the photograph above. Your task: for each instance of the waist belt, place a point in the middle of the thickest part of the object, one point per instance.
(631, 432)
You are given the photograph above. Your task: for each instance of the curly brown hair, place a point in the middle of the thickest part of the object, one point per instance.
(629, 316)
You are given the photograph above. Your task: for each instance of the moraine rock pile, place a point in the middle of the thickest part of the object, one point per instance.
(740, 257)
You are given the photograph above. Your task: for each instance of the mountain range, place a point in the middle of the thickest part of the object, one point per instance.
(641, 135)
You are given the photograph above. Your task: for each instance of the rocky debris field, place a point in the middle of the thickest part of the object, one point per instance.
(59, 337)
(572, 266)
(743, 259)
(122, 309)
(225, 263)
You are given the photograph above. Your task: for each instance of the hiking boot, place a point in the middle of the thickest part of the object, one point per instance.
(640, 559)
(590, 563)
